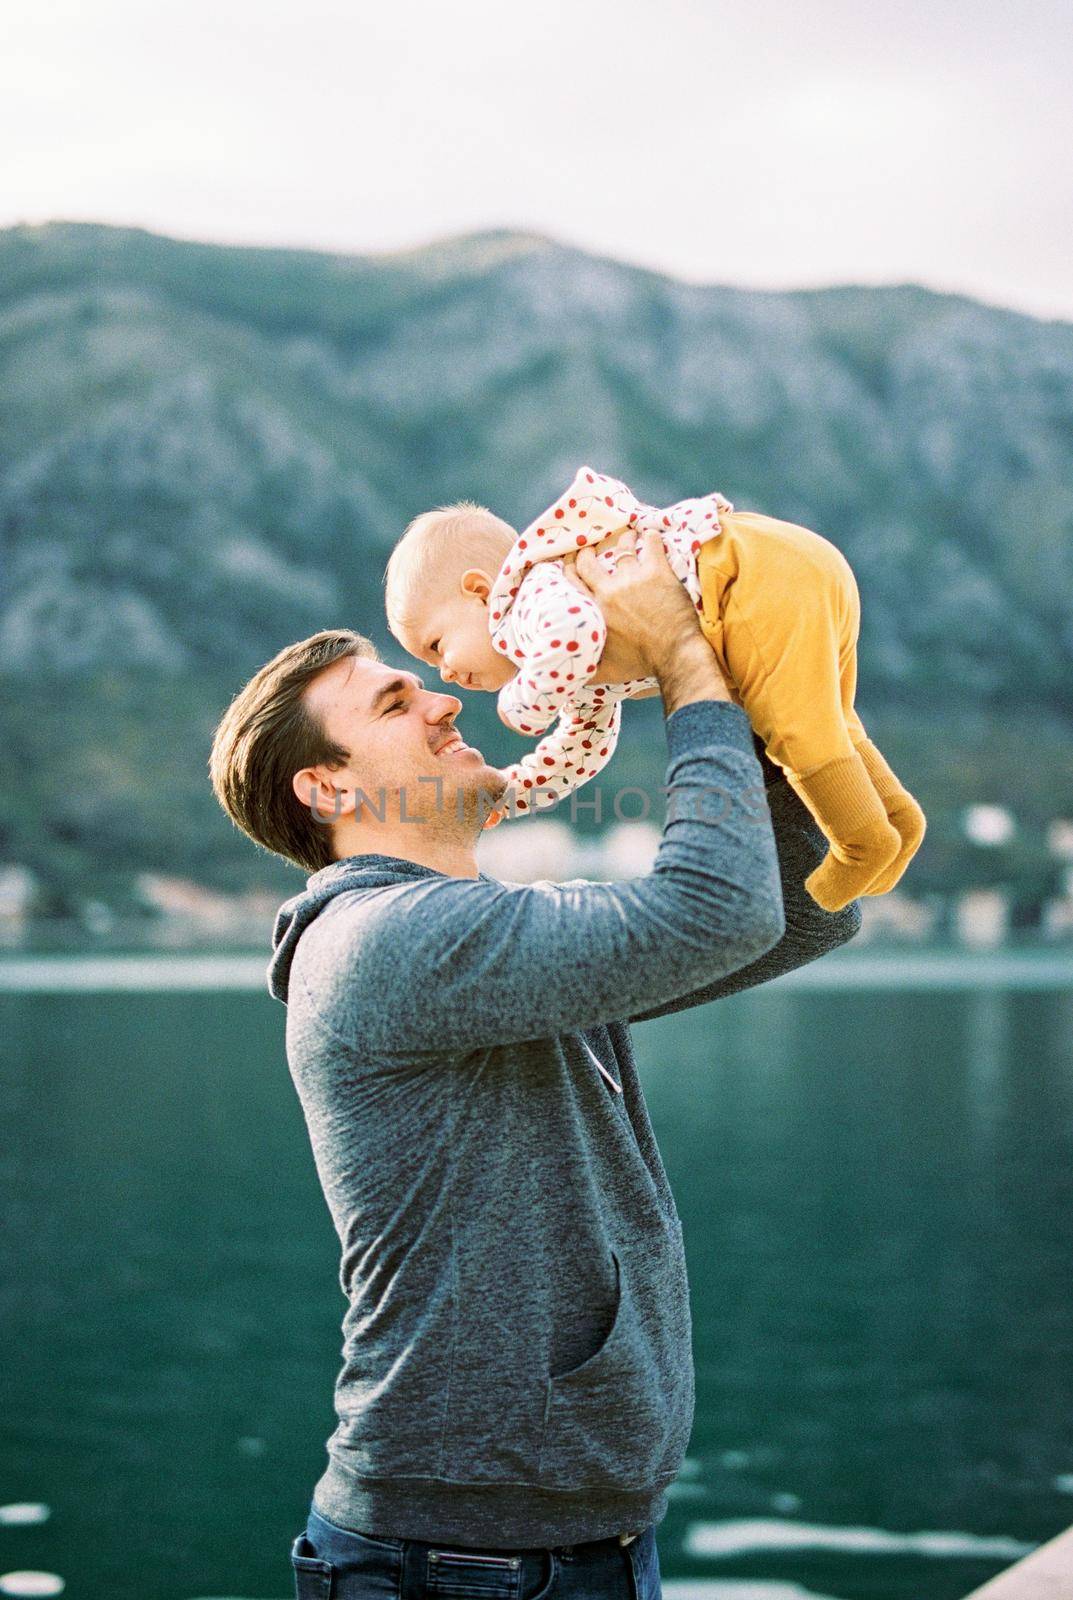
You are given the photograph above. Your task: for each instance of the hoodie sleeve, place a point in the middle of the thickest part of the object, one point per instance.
(560, 632)
(444, 965)
(810, 930)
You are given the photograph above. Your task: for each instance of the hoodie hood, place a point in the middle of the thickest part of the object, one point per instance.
(352, 872)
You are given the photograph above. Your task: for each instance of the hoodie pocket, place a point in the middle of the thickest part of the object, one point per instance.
(622, 1418)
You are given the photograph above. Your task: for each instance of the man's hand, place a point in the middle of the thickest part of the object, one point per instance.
(620, 659)
(649, 613)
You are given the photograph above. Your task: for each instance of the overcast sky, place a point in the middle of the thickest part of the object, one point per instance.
(772, 145)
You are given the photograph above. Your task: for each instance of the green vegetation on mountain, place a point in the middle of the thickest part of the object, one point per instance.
(208, 452)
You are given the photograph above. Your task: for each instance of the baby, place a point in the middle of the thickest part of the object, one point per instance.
(494, 610)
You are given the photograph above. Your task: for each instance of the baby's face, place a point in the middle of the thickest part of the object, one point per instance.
(453, 636)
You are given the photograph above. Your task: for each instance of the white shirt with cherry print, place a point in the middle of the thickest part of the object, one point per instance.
(556, 633)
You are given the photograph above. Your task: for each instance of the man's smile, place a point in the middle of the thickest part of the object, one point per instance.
(453, 743)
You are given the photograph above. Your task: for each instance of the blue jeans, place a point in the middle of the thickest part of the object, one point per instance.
(332, 1563)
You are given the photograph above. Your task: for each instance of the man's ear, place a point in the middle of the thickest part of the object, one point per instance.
(318, 791)
(476, 581)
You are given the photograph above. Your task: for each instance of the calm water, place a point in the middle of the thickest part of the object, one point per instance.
(876, 1193)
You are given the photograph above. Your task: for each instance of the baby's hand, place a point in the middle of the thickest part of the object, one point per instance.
(498, 812)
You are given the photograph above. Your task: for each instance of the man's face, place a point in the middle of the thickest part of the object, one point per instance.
(403, 746)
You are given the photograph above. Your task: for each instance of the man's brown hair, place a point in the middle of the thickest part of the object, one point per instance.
(267, 734)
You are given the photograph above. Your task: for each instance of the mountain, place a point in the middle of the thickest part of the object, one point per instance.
(206, 452)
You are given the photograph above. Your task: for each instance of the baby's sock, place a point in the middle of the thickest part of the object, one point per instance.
(844, 801)
(904, 813)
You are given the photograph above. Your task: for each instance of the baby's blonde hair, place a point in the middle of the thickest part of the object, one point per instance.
(435, 550)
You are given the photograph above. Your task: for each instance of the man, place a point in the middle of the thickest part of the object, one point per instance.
(517, 1387)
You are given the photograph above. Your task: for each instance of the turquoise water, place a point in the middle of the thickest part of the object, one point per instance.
(875, 1184)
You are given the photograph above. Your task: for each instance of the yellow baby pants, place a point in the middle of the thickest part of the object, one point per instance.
(782, 613)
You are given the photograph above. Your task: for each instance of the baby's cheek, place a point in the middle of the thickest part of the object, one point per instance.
(491, 659)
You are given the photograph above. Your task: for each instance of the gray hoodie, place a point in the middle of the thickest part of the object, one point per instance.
(517, 1362)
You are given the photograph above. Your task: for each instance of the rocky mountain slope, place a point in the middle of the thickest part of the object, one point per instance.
(206, 452)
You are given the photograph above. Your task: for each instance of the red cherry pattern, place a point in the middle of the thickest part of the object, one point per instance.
(532, 597)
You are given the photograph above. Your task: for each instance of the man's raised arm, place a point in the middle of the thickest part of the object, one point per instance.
(450, 964)
(810, 930)
(447, 965)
